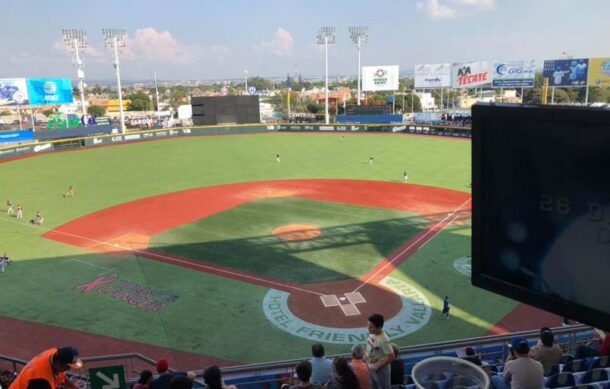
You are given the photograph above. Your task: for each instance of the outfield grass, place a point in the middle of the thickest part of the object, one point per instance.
(354, 239)
(39, 285)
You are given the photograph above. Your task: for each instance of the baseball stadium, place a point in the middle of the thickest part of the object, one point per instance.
(210, 249)
(290, 195)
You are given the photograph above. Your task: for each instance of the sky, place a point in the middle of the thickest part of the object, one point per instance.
(221, 39)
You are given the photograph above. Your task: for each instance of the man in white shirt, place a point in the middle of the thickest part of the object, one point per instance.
(379, 351)
(523, 372)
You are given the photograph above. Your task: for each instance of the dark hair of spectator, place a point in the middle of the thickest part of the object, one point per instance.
(470, 351)
(180, 382)
(303, 370)
(145, 377)
(317, 350)
(376, 320)
(345, 375)
(213, 377)
(547, 338)
(39, 383)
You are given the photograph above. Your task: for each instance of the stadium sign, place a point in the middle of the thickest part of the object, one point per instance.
(429, 76)
(414, 314)
(50, 91)
(513, 74)
(566, 72)
(380, 78)
(471, 75)
(599, 72)
(13, 91)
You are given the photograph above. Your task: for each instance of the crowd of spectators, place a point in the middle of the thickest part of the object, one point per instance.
(374, 365)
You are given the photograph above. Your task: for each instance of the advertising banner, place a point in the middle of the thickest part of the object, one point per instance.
(566, 72)
(513, 74)
(379, 78)
(470, 75)
(19, 136)
(428, 76)
(50, 91)
(13, 91)
(599, 72)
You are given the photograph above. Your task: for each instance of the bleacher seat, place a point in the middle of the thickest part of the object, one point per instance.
(436, 377)
(600, 362)
(565, 359)
(595, 375)
(575, 366)
(560, 380)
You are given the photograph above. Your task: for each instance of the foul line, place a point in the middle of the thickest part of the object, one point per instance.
(149, 254)
(425, 235)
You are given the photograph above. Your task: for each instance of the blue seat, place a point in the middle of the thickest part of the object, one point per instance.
(598, 362)
(560, 380)
(575, 366)
(595, 375)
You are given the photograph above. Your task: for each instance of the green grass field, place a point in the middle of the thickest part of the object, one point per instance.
(40, 284)
(354, 239)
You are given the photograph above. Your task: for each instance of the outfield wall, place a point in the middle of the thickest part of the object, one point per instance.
(25, 149)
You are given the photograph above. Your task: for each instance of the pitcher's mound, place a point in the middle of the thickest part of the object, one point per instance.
(293, 232)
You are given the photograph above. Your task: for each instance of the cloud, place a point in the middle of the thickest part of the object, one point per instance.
(150, 44)
(444, 9)
(282, 44)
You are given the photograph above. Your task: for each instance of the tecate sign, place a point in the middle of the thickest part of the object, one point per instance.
(471, 75)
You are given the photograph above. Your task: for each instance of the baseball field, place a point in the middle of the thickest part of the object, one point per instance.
(207, 249)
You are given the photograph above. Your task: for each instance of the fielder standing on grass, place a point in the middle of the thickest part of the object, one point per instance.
(19, 211)
(9, 207)
(277, 158)
(70, 192)
(406, 176)
(371, 160)
(446, 308)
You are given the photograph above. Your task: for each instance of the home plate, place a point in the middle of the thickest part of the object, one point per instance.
(342, 298)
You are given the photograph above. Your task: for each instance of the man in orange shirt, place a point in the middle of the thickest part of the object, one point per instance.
(50, 365)
(360, 367)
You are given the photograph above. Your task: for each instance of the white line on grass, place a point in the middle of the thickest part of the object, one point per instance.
(415, 243)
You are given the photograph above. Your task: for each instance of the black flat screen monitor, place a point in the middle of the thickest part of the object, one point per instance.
(541, 207)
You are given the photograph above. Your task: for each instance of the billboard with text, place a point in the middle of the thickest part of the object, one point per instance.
(599, 72)
(471, 75)
(513, 74)
(566, 72)
(379, 78)
(429, 76)
(50, 91)
(13, 91)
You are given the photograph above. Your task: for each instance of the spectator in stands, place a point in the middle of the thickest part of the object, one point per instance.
(472, 356)
(523, 372)
(360, 368)
(379, 351)
(321, 368)
(303, 371)
(546, 352)
(50, 365)
(598, 346)
(165, 376)
(344, 376)
(397, 368)
(181, 382)
(146, 378)
(6, 378)
(212, 377)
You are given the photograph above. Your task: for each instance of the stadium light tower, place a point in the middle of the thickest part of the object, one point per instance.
(114, 38)
(360, 36)
(246, 79)
(326, 36)
(76, 40)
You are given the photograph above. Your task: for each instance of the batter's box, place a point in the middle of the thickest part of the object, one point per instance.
(330, 300)
(355, 298)
(350, 310)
